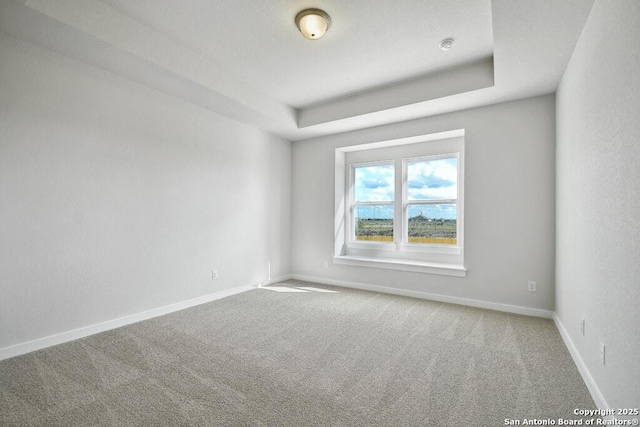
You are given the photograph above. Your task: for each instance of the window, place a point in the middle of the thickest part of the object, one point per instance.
(400, 205)
(431, 214)
(373, 202)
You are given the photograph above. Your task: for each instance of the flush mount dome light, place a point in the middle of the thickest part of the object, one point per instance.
(313, 23)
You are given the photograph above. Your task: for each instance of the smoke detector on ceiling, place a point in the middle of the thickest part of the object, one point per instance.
(446, 44)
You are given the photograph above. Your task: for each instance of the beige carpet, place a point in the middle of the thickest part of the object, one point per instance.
(287, 356)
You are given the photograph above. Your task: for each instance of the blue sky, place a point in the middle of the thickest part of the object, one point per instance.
(427, 180)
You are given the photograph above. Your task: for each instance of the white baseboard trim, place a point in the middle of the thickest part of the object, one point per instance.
(40, 343)
(597, 396)
(433, 297)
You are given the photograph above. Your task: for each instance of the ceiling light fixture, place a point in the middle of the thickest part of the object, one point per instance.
(313, 23)
(446, 44)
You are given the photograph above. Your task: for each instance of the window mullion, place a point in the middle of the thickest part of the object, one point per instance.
(432, 202)
(397, 210)
(401, 211)
(375, 203)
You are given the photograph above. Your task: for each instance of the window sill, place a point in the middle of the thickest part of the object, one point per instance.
(404, 247)
(402, 265)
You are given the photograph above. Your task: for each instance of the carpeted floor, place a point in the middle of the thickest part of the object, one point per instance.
(302, 354)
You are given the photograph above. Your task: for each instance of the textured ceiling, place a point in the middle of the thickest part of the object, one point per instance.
(370, 42)
(379, 62)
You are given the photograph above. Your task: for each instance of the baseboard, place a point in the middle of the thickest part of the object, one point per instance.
(40, 343)
(433, 297)
(597, 396)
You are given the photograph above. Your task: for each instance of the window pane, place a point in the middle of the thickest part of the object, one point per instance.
(433, 224)
(432, 179)
(374, 183)
(374, 222)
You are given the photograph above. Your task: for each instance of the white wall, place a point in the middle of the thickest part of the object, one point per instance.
(598, 199)
(116, 199)
(509, 205)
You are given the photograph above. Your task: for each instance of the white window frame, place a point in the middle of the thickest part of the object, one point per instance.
(399, 254)
(429, 247)
(353, 204)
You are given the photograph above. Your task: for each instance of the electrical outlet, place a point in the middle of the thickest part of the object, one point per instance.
(582, 326)
(532, 286)
(602, 353)
(326, 264)
(214, 274)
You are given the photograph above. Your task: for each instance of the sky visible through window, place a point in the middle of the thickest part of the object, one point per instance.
(426, 180)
